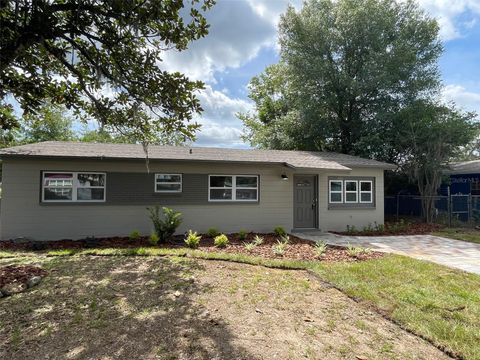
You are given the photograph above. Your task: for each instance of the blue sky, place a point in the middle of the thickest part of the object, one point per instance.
(243, 40)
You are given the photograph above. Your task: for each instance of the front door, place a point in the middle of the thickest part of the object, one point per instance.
(304, 201)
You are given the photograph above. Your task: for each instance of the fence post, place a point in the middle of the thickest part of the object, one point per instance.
(449, 202)
(398, 206)
(470, 210)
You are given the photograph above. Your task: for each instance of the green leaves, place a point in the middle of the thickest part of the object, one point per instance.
(346, 67)
(102, 59)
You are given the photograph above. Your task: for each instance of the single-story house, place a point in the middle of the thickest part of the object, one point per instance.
(58, 190)
(464, 177)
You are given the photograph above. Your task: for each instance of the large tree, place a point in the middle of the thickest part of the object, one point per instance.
(347, 66)
(49, 123)
(102, 59)
(429, 135)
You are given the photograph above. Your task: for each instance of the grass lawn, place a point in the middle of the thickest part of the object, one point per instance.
(179, 307)
(470, 235)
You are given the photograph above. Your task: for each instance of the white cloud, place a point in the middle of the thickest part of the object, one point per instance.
(239, 29)
(467, 100)
(220, 126)
(448, 12)
(237, 33)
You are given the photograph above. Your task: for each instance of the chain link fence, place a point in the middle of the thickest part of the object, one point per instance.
(451, 210)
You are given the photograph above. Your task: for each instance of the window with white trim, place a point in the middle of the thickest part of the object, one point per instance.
(336, 191)
(232, 188)
(60, 186)
(366, 191)
(168, 183)
(351, 191)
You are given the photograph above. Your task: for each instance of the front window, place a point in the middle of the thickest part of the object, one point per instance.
(366, 192)
(350, 191)
(58, 186)
(169, 183)
(73, 186)
(336, 191)
(233, 188)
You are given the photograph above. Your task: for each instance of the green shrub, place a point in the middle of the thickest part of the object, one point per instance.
(134, 235)
(280, 248)
(212, 232)
(221, 241)
(258, 240)
(320, 248)
(242, 234)
(165, 227)
(279, 231)
(193, 239)
(153, 239)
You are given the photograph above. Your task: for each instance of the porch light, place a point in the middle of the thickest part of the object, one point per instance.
(284, 177)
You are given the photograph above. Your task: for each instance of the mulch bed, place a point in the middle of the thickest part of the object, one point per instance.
(297, 249)
(19, 274)
(394, 229)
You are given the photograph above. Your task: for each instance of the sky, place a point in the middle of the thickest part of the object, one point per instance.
(243, 41)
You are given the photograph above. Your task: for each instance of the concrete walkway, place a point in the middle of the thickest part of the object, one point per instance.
(454, 253)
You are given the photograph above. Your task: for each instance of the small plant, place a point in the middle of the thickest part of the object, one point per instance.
(221, 241)
(380, 228)
(250, 246)
(352, 251)
(134, 235)
(153, 239)
(279, 231)
(355, 251)
(242, 234)
(258, 240)
(368, 228)
(212, 232)
(192, 239)
(285, 239)
(320, 248)
(351, 229)
(279, 248)
(167, 226)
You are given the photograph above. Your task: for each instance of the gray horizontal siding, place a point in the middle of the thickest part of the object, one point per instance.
(23, 215)
(138, 189)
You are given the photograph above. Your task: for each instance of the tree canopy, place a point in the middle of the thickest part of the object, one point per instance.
(346, 67)
(429, 135)
(361, 77)
(103, 59)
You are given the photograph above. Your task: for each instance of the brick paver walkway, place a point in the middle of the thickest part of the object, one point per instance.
(454, 253)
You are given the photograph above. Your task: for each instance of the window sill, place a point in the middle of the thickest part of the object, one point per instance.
(351, 206)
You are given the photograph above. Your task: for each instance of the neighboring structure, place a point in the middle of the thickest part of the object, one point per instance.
(464, 178)
(56, 190)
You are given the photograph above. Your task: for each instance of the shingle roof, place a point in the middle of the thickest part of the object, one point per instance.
(465, 167)
(296, 159)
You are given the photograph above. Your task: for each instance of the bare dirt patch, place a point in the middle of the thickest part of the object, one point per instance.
(180, 308)
(11, 274)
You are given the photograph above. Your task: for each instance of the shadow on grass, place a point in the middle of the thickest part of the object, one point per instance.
(115, 307)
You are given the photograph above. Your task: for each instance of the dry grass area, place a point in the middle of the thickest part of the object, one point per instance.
(183, 308)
